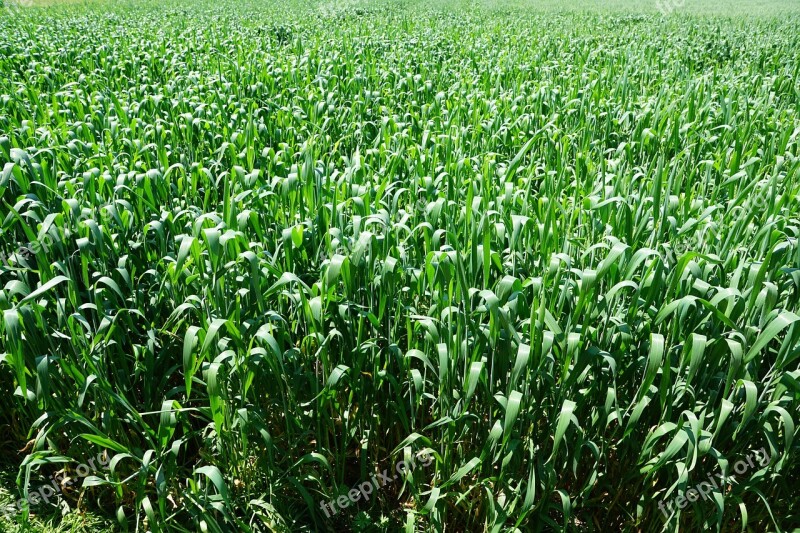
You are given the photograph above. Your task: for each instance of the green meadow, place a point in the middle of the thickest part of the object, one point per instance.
(501, 266)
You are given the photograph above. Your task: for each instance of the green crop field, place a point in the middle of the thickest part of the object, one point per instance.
(450, 266)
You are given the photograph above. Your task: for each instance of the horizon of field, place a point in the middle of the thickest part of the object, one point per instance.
(664, 8)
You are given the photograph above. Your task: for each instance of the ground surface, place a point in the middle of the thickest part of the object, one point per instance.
(254, 255)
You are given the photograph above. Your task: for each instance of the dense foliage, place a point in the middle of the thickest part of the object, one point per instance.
(254, 255)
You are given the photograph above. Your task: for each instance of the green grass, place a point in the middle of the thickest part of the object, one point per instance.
(257, 253)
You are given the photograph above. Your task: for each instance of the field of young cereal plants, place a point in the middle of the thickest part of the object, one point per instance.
(399, 266)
